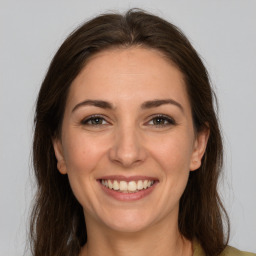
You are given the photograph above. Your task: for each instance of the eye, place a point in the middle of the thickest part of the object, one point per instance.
(94, 120)
(162, 121)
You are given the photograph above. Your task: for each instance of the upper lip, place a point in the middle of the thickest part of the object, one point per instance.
(127, 179)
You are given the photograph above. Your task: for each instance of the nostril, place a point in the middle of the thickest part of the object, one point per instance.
(127, 147)
(126, 157)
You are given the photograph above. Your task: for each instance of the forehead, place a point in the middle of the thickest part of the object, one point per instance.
(129, 73)
(133, 60)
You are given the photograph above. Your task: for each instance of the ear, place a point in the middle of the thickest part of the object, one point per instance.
(200, 144)
(58, 149)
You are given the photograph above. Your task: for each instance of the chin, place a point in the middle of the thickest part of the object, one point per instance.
(127, 226)
(127, 221)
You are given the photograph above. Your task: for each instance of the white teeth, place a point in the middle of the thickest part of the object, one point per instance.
(123, 185)
(140, 185)
(110, 184)
(115, 185)
(132, 186)
(126, 187)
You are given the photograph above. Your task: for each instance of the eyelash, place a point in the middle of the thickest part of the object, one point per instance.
(167, 120)
(93, 118)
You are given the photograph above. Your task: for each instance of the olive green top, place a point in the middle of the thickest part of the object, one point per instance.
(229, 251)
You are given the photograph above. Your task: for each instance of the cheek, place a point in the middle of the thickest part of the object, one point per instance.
(174, 158)
(82, 153)
(82, 156)
(174, 154)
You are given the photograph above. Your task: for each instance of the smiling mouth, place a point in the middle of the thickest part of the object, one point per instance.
(123, 186)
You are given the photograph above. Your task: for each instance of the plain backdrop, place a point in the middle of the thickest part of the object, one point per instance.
(223, 32)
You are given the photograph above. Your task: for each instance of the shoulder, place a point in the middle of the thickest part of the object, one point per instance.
(228, 251)
(231, 251)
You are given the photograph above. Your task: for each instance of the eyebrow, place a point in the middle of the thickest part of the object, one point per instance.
(158, 103)
(96, 103)
(146, 105)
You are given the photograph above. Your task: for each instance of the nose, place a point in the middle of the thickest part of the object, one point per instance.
(127, 149)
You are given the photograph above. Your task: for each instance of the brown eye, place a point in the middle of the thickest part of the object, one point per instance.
(94, 120)
(161, 121)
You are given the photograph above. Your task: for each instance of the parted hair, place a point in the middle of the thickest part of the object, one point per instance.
(57, 225)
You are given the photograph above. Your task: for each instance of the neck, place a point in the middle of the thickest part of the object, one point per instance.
(160, 239)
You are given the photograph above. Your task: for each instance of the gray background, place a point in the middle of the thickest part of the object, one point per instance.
(223, 32)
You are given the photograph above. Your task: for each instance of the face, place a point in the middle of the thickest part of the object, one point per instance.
(128, 142)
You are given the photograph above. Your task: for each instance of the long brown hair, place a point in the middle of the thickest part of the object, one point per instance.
(57, 222)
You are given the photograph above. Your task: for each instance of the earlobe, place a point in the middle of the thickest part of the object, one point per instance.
(58, 150)
(199, 149)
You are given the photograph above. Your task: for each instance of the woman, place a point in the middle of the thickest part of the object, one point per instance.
(127, 147)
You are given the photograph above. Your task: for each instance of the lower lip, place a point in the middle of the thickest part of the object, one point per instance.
(128, 196)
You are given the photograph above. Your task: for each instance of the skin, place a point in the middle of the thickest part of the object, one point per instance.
(128, 140)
